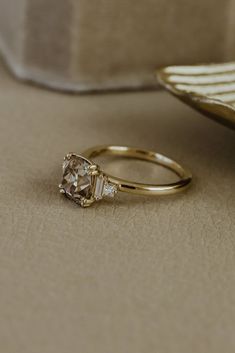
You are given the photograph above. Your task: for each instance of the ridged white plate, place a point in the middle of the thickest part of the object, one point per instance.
(208, 88)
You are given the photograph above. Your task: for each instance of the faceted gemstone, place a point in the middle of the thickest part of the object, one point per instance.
(99, 185)
(109, 189)
(76, 182)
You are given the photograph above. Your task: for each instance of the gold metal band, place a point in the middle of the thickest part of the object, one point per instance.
(137, 153)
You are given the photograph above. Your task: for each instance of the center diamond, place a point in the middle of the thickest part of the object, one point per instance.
(76, 182)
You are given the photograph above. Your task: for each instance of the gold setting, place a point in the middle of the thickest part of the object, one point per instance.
(85, 183)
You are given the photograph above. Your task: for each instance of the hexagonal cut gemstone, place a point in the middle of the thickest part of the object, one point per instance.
(76, 182)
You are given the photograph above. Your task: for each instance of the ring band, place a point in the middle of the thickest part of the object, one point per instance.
(84, 182)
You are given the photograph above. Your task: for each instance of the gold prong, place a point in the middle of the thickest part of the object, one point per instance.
(68, 156)
(86, 202)
(61, 189)
(93, 170)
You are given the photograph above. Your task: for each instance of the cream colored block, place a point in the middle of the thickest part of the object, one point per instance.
(87, 45)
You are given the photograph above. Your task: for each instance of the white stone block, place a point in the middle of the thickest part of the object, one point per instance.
(82, 45)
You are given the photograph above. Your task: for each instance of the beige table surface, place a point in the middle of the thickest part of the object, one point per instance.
(134, 275)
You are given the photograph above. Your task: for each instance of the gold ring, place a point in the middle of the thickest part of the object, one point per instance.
(84, 182)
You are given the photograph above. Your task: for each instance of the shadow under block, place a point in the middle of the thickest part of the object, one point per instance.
(85, 45)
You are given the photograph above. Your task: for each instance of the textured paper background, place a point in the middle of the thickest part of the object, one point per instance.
(87, 45)
(133, 275)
